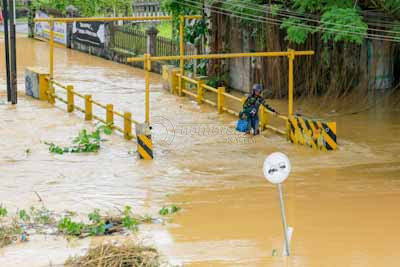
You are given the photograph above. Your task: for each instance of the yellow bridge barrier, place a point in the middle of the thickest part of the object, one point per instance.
(50, 91)
(87, 110)
(40, 86)
(319, 135)
(221, 104)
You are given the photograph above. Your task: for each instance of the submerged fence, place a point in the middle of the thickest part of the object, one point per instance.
(87, 109)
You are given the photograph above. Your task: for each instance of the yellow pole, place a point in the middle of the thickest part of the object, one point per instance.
(51, 41)
(200, 91)
(221, 99)
(88, 108)
(291, 86)
(147, 66)
(70, 98)
(51, 63)
(182, 44)
(109, 114)
(181, 53)
(127, 125)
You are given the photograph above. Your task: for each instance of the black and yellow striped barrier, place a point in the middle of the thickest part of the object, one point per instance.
(145, 147)
(316, 134)
(144, 142)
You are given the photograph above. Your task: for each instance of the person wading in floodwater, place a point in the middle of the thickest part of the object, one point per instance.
(251, 107)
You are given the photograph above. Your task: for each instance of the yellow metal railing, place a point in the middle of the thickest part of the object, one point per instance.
(147, 62)
(222, 105)
(87, 110)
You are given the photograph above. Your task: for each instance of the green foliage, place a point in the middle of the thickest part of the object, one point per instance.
(97, 229)
(95, 216)
(69, 227)
(83, 143)
(23, 215)
(192, 33)
(41, 216)
(3, 211)
(275, 9)
(167, 210)
(315, 6)
(297, 31)
(339, 22)
(128, 221)
(87, 8)
(244, 8)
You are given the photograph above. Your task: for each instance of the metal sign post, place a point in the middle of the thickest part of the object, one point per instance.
(276, 170)
(7, 48)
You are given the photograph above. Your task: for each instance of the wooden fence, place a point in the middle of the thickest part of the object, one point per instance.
(147, 8)
(129, 40)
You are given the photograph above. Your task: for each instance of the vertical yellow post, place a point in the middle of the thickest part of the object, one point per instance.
(180, 85)
(200, 91)
(51, 42)
(110, 114)
(243, 100)
(182, 45)
(147, 67)
(88, 108)
(174, 79)
(181, 53)
(221, 99)
(127, 125)
(263, 118)
(291, 82)
(70, 98)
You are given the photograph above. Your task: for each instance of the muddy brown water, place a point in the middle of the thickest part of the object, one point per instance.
(343, 205)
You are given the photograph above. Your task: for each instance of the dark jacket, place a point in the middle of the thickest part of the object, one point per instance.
(252, 105)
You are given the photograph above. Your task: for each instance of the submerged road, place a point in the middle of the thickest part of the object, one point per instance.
(342, 205)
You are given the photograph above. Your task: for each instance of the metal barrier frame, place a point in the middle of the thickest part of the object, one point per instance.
(147, 64)
(88, 109)
(221, 94)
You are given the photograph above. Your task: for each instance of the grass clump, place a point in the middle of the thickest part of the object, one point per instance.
(126, 254)
(168, 210)
(84, 142)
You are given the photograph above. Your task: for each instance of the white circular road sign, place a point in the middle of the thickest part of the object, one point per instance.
(276, 168)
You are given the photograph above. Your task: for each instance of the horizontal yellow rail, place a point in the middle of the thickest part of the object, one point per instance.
(209, 88)
(189, 93)
(99, 104)
(87, 110)
(107, 19)
(59, 84)
(221, 104)
(189, 79)
(219, 56)
(233, 97)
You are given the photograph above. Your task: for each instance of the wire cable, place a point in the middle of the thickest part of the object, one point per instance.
(279, 21)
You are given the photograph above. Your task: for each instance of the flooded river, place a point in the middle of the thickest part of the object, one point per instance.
(343, 205)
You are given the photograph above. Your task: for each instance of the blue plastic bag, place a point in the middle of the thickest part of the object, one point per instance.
(242, 125)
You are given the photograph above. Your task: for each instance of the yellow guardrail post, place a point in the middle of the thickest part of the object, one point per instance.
(221, 99)
(174, 79)
(147, 67)
(182, 45)
(180, 84)
(291, 57)
(110, 114)
(51, 91)
(88, 108)
(263, 118)
(70, 98)
(200, 91)
(127, 125)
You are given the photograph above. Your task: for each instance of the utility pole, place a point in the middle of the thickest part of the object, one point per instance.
(7, 48)
(13, 50)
